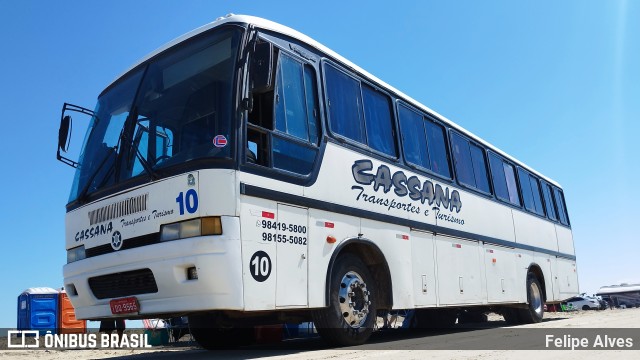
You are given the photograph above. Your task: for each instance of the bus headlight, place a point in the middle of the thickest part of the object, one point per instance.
(191, 228)
(75, 254)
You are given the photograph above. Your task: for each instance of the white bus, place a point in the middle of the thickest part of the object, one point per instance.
(245, 174)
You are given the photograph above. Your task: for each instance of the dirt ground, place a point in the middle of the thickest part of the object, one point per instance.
(396, 346)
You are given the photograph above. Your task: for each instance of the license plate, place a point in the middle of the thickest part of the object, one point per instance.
(125, 305)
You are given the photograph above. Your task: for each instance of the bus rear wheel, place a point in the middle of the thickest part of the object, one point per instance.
(534, 311)
(351, 315)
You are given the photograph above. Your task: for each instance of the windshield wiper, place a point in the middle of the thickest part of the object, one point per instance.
(85, 189)
(135, 146)
(146, 166)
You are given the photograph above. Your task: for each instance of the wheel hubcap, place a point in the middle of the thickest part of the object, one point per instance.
(354, 299)
(536, 298)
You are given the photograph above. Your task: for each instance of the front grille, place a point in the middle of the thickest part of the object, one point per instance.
(135, 242)
(123, 284)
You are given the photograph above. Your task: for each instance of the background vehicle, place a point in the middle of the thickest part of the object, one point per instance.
(583, 303)
(245, 174)
(621, 296)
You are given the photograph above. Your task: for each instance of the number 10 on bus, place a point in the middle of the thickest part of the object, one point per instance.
(188, 200)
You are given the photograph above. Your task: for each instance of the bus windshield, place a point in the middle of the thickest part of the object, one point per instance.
(175, 108)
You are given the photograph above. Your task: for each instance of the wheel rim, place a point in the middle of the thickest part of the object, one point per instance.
(353, 297)
(536, 298)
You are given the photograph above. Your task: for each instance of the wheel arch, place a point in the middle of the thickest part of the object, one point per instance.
(537, 271)
(372, 256)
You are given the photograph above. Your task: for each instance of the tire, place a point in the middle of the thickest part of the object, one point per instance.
(211, 336)
(586, 307)
(352, 312)
(534, 311)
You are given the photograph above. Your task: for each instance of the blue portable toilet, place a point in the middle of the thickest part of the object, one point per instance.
(38, 309)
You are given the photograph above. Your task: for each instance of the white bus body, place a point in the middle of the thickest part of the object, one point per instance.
(429, 242)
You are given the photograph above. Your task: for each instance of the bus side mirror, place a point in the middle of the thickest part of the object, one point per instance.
(262, 68)
(64, 133)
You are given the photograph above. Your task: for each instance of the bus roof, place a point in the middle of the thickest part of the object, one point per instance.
(272, 26)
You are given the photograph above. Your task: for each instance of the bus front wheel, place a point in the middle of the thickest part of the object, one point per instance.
(351, 315)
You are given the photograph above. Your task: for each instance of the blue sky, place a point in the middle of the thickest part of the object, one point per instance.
(554, 83)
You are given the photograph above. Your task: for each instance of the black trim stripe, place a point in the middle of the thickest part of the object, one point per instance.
(251, 190)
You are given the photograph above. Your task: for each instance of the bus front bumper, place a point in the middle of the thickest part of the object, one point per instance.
(217, 259)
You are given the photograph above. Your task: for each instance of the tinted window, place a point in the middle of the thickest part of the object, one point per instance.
(562, 209)
(413, 138)
(378, 121)
(359, 112)
(548, 201)
(510, 175)
(530, 192)
(504, 180)
(310, 90)
(498, 177)
(438, 149)
(537, 199)
(282, 129)
(343, 93)
(290, 156)
(525, 185)
(462, 159)
(424, 142)
(479, 168)
(471, 164)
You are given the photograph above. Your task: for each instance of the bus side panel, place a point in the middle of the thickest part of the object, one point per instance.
(478, 216)
(259, 278)
(565, 240)
(546, 264)
(534, 231)
(460, 274)
(291, 256)
(395, 243)
(567, 278)
(323, 224)
(423, 262)
(502, 279)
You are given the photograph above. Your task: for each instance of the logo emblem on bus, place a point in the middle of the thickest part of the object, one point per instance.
(191, 180)
(116, 240)
(219, 141)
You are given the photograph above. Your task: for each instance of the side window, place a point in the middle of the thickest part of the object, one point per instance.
(291, 110)
(562, 209)
(512, 186)
(343, 93)
(470, 162)
(412, 130)
(378, 121)
(548, 201)
(530, 192)
(438, 149)
(359, 112)
(537, 199)
(423, 142)
(282, 132)
(498, 177)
